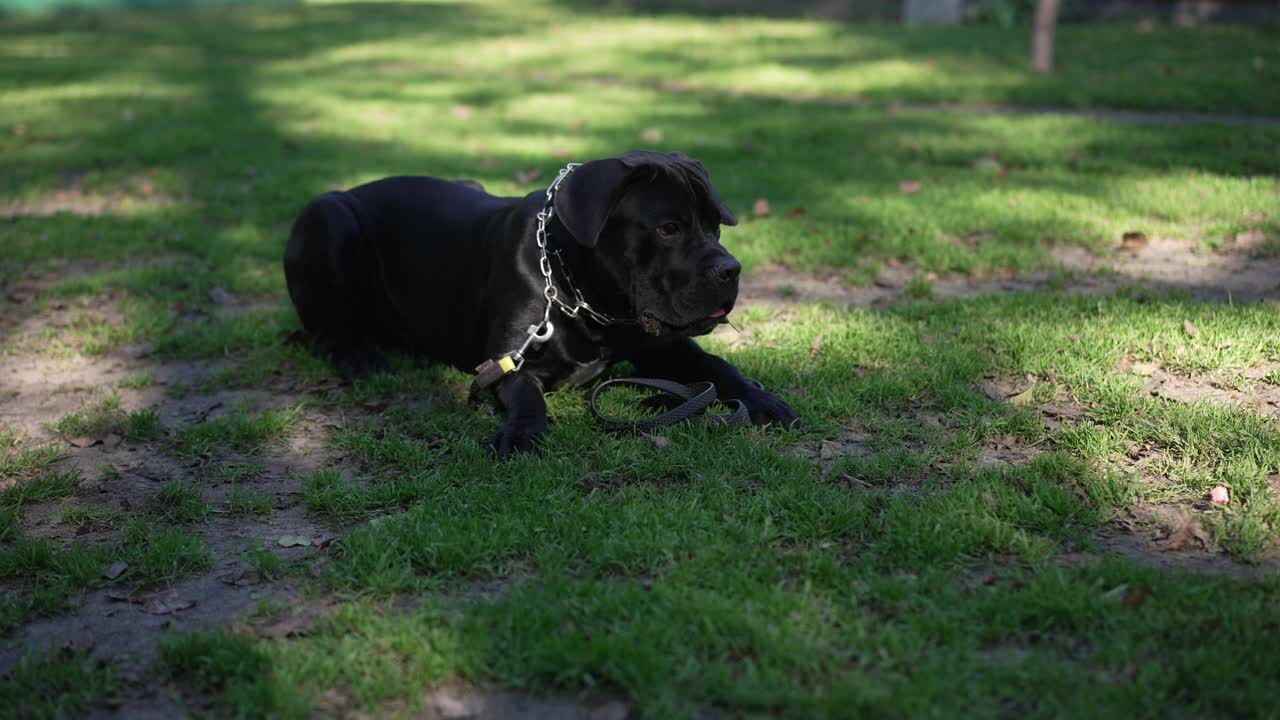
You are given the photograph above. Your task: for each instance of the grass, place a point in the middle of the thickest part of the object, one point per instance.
(243, 431)
(927, 547)
(105, 416)
(179, 504)
(55, 685)
(249, 502)
(217, 663)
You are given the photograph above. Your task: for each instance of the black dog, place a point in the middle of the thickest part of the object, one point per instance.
(445, 270)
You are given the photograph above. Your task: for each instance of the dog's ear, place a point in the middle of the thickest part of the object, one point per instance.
(726, 215)
(586, 198)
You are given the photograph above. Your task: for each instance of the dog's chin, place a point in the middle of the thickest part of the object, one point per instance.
(684, 327)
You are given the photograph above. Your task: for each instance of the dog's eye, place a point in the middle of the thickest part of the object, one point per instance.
(668, 229)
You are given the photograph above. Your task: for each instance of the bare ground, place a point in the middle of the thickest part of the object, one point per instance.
(125, 626)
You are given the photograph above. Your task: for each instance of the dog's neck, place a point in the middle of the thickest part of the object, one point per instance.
(582, 273)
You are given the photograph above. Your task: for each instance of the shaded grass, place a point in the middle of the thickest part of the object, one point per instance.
(106, 416)
(50, 572)
(178, 503)
(55, 685)
(230, 667)
(242, 431)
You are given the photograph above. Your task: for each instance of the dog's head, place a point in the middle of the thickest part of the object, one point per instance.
(652, 224)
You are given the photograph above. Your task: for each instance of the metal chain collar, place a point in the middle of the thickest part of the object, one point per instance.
(544, 263)
(542, 332)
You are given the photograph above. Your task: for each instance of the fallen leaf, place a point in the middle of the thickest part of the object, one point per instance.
(83, 442)
(293, 541)
(115, 570)
(1145, 26)
(1220, 495)
(220, 296)
(1191, 329)
(147, 187)
(1184, 529)
(242, 577)
(760, 208)
(651, 135)
(462, 112)
(1025, 397)
(20, 296)
(164, 603)
(910, 186)
(528, 176)
(815, 347)
(1135, 597)
(827, 450)
(658, 441)
(1133, 240)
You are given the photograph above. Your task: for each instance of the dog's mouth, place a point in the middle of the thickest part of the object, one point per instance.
(654, 325)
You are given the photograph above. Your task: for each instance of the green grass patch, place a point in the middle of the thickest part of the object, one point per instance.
(106, 416)
(242, 431)
(229, 668)
(55, 685)
(178, 503)
(267, 563)
(244, 501)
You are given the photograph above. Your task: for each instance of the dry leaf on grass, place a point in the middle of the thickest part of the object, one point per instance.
(1190, 328)
(816, 347)
(1185, 531)
(910, 186)
(293, 541)
(658, 441)
(760, 208)
(1134, 240)
(115, 570)
(166, 603)
(1135, 598)
(652, 135)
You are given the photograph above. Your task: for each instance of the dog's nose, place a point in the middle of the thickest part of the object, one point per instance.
(725, 268)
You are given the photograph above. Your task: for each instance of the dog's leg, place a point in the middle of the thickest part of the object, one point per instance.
(682, 360)
(521, 395)
(328, 271)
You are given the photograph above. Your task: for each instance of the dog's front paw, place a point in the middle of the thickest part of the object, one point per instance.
(515, 438)
(766, 408)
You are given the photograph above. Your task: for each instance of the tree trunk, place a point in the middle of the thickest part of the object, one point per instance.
(1042, 40)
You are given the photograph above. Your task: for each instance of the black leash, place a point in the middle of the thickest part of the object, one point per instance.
(697, 398)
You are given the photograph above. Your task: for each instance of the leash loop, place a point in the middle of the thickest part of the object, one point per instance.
(696, 399)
